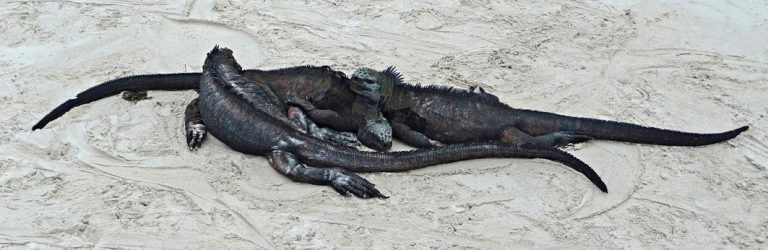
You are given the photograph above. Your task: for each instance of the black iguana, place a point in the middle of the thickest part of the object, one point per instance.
(334, 104)
(431, 115)
(242, 114)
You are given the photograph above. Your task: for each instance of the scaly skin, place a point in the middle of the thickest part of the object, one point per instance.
(431, 115)
(242, 117)
(323, 93)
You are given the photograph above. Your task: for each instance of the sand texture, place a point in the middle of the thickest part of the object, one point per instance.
(117, 174)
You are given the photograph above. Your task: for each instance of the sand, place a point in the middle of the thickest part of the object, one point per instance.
(116, 174)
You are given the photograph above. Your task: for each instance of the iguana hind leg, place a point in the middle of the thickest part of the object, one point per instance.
(342, 138)
(555, 139)
(193, 125)
(341, 180)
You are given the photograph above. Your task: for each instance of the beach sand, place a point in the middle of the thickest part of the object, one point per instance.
(117, 174)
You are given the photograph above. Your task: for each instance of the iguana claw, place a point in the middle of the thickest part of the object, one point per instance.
(347, 183)
(195, 135)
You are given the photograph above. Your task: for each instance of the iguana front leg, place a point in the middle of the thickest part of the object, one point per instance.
(555, 139)
(325, 117)
(341, 180)
(196, 131)
(375, 133)
(193, 126)
(412, 137)
(342, 138)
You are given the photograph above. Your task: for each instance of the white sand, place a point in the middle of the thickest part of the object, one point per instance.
(117, 174)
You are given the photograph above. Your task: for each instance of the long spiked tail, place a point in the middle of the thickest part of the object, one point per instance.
(318, 154)
(537, 123)
(178, 81)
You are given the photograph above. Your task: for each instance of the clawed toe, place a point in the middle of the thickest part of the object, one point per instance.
(195, 135)
(347, 183)
(349, 140)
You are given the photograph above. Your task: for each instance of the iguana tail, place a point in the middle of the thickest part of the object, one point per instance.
(537, 123)
(319, 154)
(177, 81)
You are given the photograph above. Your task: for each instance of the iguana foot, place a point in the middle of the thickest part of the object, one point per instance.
(346, 183)
(554, 139)
(134, 96)
(342, 138)
(563, 138)
(303, 103)
(346, 139)
(195, 135)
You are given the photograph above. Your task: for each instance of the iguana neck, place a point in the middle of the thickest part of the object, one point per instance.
(365, 107)
(391, 97)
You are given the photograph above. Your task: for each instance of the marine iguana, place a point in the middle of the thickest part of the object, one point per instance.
(334, 104)
(242, 114)
(431, 115)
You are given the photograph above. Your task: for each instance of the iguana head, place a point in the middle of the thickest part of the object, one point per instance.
(221, 55)
(376, 134)
(367, 82)
(379, 84)
(375, 131)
